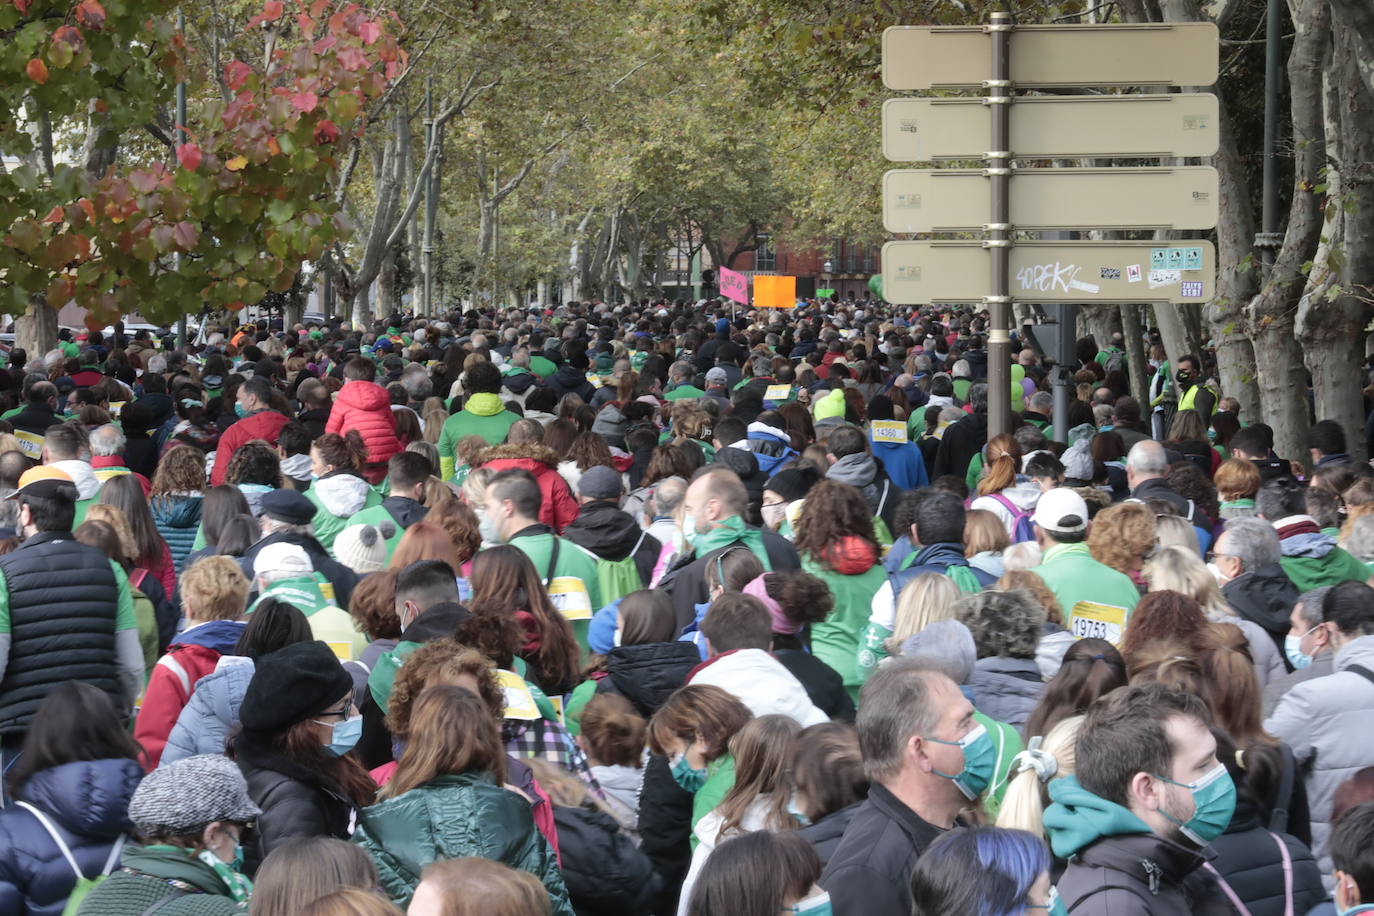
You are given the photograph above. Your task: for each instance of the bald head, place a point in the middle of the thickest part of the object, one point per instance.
(523, 431)
(714, 495)
(667, 496)
(1146, 461)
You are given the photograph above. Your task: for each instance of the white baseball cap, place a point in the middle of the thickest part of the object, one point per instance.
(1061, 511)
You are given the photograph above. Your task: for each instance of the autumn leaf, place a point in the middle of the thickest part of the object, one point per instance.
(54, 215)
(22, 6)
(237, 164)
(272, 10)
(326, 132)
(91, 14)
(236, 74)
(37, 71)
(188, 154)
(305, 102)
(369, 32)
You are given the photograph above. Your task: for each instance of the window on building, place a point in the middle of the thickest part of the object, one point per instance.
(765, 258)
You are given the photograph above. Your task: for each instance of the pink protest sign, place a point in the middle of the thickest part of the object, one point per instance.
(734, 286)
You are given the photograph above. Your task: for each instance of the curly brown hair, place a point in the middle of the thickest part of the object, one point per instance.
(1166, 615)
(589, 450)
(373, 606)
(460, 521)
(181, 469)
(1003, 623)
(441, 661)
(832, 511)
(342, 453)
(1121, 535)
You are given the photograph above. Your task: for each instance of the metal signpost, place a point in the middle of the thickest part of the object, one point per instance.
(997, 199)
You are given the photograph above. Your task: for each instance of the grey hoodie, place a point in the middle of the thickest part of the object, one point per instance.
(859, 470)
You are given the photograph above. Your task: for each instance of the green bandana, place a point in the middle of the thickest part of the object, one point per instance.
(733, 530)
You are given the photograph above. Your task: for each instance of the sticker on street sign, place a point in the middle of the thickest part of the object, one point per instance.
(1054, 127)
(919, 272)
(734, 286)
(1137, 54)
(1187, 258)
(959, 200)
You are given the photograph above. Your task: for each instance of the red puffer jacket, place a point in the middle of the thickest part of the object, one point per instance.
(366, 407)
(558, 508)
(265, 425)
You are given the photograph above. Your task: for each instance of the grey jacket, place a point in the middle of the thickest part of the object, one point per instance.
(212, 714)
(1265, 654)
(1140, 875)
(1322, 664)
(1325, 720)
(1006, 689)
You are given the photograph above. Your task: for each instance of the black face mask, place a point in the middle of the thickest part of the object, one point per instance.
(1183, 377)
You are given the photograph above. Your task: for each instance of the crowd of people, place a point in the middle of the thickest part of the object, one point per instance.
(663, 609)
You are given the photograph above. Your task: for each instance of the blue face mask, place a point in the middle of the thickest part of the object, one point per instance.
(812, 906)
(344, 736)
(1292, 647)
(1054, 908)
(1357, 908)
(980, 759)
(687, 776)
(239, 410)
(1214, 801)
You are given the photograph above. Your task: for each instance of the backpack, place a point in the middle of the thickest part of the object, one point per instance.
(618, 578)
(83, 885)
(1022, 528)
(1116, 360)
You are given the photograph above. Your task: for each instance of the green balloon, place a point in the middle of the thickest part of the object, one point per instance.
(875, 283)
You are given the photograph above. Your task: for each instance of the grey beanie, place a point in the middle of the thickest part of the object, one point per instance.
(950, 642)
(180, 798)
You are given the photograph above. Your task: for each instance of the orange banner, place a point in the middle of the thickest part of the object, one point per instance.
(775, 292)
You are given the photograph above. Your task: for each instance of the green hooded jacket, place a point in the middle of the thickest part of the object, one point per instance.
(1076, 818)
(455, 815)
(483, 415)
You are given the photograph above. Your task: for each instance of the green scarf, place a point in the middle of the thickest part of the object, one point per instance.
(733, 530)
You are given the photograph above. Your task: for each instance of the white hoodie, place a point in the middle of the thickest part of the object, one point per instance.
(761, 682)
(343, 494)
(87, 484)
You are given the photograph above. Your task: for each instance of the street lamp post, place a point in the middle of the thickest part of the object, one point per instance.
(826, 269)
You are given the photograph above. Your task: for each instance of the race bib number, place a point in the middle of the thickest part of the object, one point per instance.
(519, 701)
(1098, 621)
(893, 431)
(777, 393)
(569, 595)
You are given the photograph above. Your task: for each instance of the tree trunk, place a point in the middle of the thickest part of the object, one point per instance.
(1282, 382)
(1133, 331)
(1333, 311)
(388, 295)
(36, 330)
(1175, 332)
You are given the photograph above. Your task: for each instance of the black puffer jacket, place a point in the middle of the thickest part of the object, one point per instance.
(647, 674)
(611, 534)
(665, 829)
(296, 801)
(1140, 875)
(604, 871)
(1251, 860)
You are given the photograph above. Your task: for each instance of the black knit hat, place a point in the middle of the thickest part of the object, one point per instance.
(293, 684)
(793, 483)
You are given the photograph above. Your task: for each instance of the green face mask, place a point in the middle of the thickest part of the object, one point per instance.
(980, 759)
(1214, 801)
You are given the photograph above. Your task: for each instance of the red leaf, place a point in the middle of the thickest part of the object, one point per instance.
(37, 71)
(236, 74)
(306, 25)
(318, 7)
(90, 14)
(188, 154)
(352, 59)
(22, 6)
(143, 182)
(186, 234)
(87, 207)
(54, 215)
(69, 35)
(369, 32)
(272, 10)
(305, 102)
(326, 132)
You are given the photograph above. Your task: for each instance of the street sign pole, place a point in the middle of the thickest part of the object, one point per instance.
(999, 229)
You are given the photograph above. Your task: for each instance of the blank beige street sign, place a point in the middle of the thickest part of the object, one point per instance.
(1148, 54)
(959, 200)
(1054, 127)
(1182, 271)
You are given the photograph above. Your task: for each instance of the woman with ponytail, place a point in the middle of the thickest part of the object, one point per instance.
(339, 490)
(1046, 758)
(1004, 490)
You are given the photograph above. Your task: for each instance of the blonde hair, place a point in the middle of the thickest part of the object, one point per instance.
(9, 442)
(928, 598)
(1023, 806)
(214, 588)
(1121, 535)
(116, 519)
(1173, 531)
(475, 488)
(434, 416)
(983, 533)
(1178, 569)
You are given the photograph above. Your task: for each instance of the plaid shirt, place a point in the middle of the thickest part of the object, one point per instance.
(551, 741)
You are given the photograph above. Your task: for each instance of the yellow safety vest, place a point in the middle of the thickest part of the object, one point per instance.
(1189, 399)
